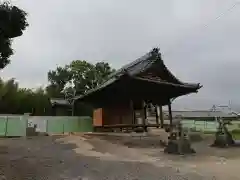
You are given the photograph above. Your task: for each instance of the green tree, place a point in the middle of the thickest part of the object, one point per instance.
(7, 92)
(77, 78)
(87, 76)
(84, 76)
(103, 71)
(12, 24)
(58, 80)
(15, 100)
(54, 91)
(41, 103)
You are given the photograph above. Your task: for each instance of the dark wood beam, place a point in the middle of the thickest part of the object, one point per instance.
(133, 111)
(126, 125)
(157, 116)
(144, 115)
(170, 115)
(161, 116)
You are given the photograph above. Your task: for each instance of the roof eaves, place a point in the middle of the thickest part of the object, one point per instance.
(131, 69)
(107, 83)
(194, 86)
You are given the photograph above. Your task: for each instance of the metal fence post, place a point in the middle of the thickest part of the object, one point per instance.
(46, 125)
(6, 126)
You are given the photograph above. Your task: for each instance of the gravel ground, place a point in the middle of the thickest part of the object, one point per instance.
(95, 158)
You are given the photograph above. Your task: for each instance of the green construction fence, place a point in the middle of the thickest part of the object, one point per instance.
(71, 124)
(13, 126)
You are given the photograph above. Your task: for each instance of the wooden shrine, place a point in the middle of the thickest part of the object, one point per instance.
(130, 89)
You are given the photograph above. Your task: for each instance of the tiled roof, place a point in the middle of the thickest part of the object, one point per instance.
(138, 66)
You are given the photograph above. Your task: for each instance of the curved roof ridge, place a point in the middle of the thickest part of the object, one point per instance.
(138, 66)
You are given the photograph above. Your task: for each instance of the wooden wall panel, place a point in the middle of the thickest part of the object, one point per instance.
(98, 117)
(116, 114)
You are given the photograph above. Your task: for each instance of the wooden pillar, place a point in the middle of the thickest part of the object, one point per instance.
(134, 117)
(157, 115)
(143, 115)
(161, 116)
(133, 112)
(170, 115)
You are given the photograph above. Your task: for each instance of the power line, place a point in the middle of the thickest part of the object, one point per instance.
(230, 9)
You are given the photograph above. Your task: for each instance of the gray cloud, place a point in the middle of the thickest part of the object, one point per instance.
(195, 46)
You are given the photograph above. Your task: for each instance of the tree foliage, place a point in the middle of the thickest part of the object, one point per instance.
(65, 82)
(73, 79)
(58, 80)
(15, 100)
(12, 24)
(77, 78)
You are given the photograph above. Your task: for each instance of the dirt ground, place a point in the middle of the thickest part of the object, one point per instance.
(91, 157)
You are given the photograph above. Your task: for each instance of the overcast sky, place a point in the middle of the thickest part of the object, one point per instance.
(195, 45)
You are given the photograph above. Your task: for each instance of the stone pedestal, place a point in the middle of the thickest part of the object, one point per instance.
(179, 147)
(223, 140)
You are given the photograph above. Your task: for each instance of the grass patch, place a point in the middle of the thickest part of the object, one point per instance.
(236, 136)
(235, 133)
(209, 132)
